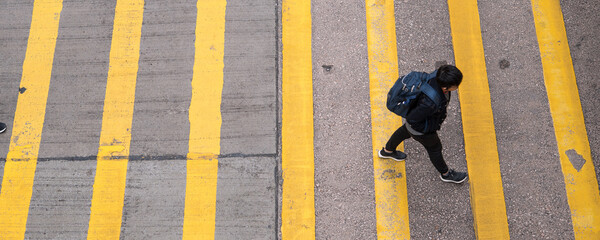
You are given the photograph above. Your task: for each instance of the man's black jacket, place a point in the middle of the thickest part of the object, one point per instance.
(425, 117)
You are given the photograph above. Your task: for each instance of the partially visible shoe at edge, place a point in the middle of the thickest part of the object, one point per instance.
(396, 155)
(454, 176)
(2, 127)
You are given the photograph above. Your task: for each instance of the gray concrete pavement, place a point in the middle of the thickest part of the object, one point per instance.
(62, 188)
(533, 183)
(154, 199)
(61, 200)
(163, 90)
(437, 210)
(156, 180)
(248, 196)
(583, 28)
(16, 19)
(247, 188)
(155, 195)
(77, 87)
(344, 186)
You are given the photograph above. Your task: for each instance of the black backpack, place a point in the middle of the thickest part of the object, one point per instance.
(402, 97)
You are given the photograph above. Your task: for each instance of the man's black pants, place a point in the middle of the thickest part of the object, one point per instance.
(430, 141)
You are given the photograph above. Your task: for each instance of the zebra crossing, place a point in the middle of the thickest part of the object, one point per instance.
(191, 119)
(100, 197)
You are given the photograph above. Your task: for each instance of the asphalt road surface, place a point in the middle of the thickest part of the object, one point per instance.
(213, 164)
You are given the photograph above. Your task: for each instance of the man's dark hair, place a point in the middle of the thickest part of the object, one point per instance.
(448, 76)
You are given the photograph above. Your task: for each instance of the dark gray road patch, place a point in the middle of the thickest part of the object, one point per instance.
(576, 159)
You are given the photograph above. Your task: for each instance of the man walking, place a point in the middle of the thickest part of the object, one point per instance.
(425, 119)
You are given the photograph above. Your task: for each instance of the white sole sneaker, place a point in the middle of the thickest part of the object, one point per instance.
(388, 157)
(453, 181)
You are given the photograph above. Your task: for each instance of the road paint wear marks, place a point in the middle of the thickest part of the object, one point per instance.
(111, 171)
(487, 196)
(390, 192)
(297, 133)
(205, 121)
(569, 126)
(21, 161)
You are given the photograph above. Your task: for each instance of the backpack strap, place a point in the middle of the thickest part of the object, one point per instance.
(431, 93)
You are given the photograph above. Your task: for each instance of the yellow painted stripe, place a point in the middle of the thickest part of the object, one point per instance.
(113, 153)
(390, 176)
(487, 196)
(297, 158)
(21, 161)
(569, 126)
(205, 121)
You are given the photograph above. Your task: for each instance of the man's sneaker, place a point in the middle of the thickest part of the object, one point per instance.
(2, 127)
(454, 177)
(396, 155)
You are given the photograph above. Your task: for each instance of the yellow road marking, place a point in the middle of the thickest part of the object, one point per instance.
(205, 121)
(487, 196)
(21, 161)
(113, 153)
(569, 126)
(297, 157)
(390, 176)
